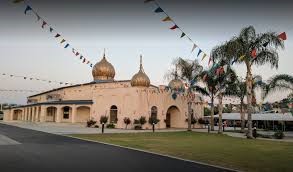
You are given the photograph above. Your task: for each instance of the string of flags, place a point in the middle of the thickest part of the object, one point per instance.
(7, 90)
(57, 35)
(175, 26)
(36, 79)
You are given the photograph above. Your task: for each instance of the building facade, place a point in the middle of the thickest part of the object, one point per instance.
(108, 97)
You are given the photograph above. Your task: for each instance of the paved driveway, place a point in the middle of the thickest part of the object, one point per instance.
(29, 150)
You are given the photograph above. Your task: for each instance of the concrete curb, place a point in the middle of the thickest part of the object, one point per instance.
(158, 154)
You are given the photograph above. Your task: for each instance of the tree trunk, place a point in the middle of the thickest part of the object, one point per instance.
(249, 99)
(242, 117)
(189, 115)
(212, 114)
(220, 97)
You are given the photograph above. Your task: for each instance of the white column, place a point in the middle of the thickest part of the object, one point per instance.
(43, 114)
(58, 114)
(73, 114)
(11, 114)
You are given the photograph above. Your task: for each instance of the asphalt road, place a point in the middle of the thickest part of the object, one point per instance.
(40, 151)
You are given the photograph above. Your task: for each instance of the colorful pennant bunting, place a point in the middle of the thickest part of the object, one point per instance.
(57, 35)
(66, 46)
(203, 56)
(265, 44)
(193, 48)
(63, 40)
(51, 29)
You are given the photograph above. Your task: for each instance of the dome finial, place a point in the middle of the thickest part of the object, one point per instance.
(176, 74)
(104, 55)
(140, 66)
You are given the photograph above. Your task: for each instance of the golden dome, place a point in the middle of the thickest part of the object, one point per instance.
(103, 70)
(176, 84)
(140, 79)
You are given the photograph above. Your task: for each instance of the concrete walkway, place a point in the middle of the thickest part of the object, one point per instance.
(69, 128)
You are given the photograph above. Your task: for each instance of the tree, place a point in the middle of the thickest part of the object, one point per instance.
(278, 82)
(187, 70)
(251, 49)
(127, 121)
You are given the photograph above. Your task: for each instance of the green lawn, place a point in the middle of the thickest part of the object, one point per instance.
(236, 153)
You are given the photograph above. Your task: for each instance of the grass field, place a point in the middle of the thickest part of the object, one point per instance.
(236, 153)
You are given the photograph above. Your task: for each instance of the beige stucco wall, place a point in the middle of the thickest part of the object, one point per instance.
(132, 102)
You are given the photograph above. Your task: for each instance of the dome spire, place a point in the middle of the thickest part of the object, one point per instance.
(104, 54)
(140, 66)
(103, 70)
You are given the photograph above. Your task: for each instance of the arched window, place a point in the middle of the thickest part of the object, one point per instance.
(66, 112)
(113, 114)
(154, 112)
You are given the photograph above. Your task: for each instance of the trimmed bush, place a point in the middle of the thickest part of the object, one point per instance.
(137, 127)
(110, 125)
(103, 119)
(279, 135)
(90, 123)
(127, 121)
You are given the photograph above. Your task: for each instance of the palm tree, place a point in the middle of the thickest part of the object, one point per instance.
(253, 49)
(187, 70)
(278, 82)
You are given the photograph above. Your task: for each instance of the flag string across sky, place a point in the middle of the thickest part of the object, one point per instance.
(36, 79)
(176, 26)
(6, 90)
(56, 34)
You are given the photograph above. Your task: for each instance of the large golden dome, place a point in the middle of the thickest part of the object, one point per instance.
(103, 70)
(140, 79)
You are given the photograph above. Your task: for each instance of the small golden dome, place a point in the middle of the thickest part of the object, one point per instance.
(140, 79)
(176, 84)
(103, 70)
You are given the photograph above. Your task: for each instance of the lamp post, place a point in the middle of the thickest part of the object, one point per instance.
(103, 125)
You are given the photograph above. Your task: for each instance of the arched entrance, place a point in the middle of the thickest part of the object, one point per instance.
(17, 114)
(82, 114)
(173, 117)
(51, 114)
(113, 114)
(66, 114)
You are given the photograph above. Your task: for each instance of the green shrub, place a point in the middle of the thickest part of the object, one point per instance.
(96, 126)
(103, 119)
(111, 125)
(90, 123)
(136, 121)
(201, 121)
(279, 135)
(142, 120)
(137, 127)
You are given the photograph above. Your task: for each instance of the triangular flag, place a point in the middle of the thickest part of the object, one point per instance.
(44, 23)
(88, 62)
(283, 36)
(265, 44)
(174, 27)
(91, 65)
(167, 19)
(17, 1)
(146, 1)
(253, 53)
(210, 59)
(57, 35)
(193, 48)
(199, 51)
(241, 57)
(28, 8)
(77, 53)
(182, 35)
(81, 57)
(83, 60)
(51, 29)
(159, 10)
(204, 55)
(63, 40)
(66, 46)
(73, 50)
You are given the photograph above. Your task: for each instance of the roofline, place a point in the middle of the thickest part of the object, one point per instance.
(65, 102)
(89, 83)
